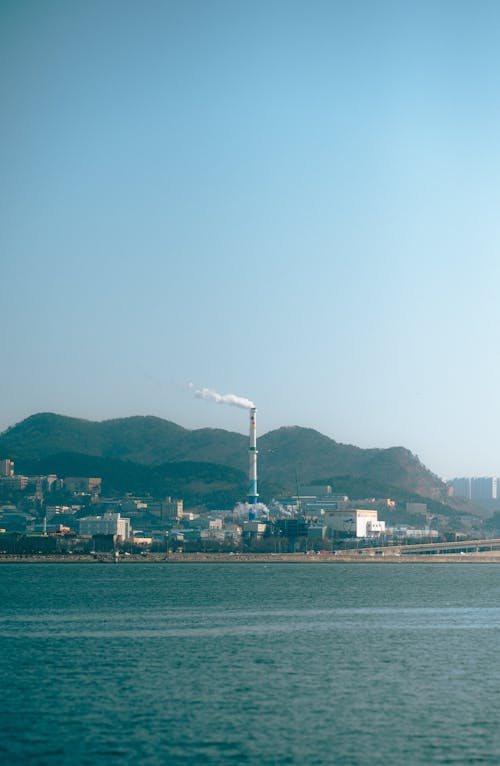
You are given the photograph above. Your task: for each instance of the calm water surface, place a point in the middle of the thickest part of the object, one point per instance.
(355, 664)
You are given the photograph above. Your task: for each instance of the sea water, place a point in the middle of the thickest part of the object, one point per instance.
(355, 664)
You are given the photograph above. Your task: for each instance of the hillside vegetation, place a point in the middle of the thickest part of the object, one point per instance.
(134, 453)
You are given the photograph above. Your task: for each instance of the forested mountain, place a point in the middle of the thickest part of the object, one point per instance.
(287, 456)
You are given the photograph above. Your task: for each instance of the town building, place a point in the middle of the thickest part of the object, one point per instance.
(317, 506)
(483, 488)
(354, 523)
(296, 527)
(167, 509)
(6, 468)
(316, 532)
(13, 483)
(207, 522)
(475, 487)
(460, 486)
(109, 524)
(254, 529)
(86, 484)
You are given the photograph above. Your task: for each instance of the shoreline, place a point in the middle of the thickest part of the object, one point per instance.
(490, 557)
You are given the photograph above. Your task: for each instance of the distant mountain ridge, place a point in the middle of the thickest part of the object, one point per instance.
(287, 455)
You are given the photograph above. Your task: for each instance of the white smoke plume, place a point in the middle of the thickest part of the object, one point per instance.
(235, 401)
(242, 511)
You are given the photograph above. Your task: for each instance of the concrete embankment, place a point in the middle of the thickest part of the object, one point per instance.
(361, 557)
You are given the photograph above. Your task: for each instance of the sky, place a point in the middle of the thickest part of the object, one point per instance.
(294, 202)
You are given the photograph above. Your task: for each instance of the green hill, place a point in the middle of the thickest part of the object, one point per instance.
(196, 482)
(146, 440)
(316, 458)
(156, 450)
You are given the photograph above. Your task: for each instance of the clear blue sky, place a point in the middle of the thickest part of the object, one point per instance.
(295, 202)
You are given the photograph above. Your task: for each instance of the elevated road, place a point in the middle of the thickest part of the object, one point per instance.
(456, 547)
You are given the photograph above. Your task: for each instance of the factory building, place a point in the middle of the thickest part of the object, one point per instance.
(254, 529)
(109, 524)
(296, 527)
(316, 532)
(319, 507)
(354, 523)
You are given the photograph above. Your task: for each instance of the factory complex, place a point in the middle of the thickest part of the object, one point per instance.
(313, 519)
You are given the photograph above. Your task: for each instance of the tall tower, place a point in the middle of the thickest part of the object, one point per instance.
(252, 452)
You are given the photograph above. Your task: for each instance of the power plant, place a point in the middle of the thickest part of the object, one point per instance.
(252, 453)
(246, 404)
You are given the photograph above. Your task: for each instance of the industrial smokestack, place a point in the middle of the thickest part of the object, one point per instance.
(246, 404)
(252, 452)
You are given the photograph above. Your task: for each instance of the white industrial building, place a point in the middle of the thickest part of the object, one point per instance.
(354, 522)
(109, 524)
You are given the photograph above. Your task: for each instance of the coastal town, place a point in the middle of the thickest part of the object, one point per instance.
(48, 515)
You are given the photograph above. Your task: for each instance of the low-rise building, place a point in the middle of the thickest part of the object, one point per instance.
(296, 527)
(316, 532)
(13, 483)
(206, 522)
(167, 509)
(254, 528)
(87, 484)
(6, 468)
(358, 522)
(403, 531)
(109, 524)
(317, 507)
